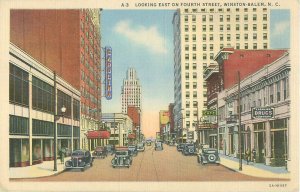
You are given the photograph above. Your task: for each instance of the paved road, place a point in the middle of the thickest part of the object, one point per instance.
(151, 165)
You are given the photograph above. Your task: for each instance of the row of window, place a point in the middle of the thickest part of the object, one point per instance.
(228, 18)
(222, 10)
(42, 94)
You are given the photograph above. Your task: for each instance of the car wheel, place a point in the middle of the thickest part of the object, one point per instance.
(113, 166)
(91, 164)
(82, 169)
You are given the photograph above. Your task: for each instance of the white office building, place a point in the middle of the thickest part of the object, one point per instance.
(199, 34)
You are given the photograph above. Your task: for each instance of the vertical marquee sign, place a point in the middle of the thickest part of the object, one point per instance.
(108, 73)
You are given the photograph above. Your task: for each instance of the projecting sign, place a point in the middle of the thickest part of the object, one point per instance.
(209, 112)
(108, 73)
(262, 112)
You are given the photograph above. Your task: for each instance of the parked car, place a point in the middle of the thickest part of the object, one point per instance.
(208, 155)
(79, 160)
(122, 158)
(133, 150)
(158, 145)
(172, 143)
(180, 146)
(100, 152)
(140, 147)
(110, 149)
(189, 149)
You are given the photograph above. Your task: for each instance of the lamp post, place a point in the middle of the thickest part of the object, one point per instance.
(56, 118)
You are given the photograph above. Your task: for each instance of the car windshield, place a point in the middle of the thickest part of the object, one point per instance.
(209, 151)
(140, 145)
(121, 152)
(77, 153)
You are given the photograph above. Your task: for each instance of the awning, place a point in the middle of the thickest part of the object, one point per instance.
(98, 134)
(131, 136)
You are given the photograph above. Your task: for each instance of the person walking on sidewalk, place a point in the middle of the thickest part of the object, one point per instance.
(62, 155)
(248, 155)
(254, 155)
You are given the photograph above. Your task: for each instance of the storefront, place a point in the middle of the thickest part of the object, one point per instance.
(97, 138)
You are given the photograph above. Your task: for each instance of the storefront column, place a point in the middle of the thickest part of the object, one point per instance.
(289, 144)
(30, 118)
(268, 143)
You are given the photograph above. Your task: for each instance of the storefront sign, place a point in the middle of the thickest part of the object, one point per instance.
(209, 112)
(108, 73)
(262, 112)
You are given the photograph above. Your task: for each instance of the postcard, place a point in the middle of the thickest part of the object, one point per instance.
(155, 95)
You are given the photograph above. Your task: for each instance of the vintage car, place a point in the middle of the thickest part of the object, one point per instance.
(100, 152)
(110, 149)
(79, 160)
(158, 145)
(149, 142)
(180, 146)
(208, 155)
(172, 143)
(122, 158)
(140, 147)
(189, 149)
(133, 150)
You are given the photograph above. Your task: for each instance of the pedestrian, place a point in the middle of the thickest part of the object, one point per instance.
(248, 155)
(62, 155)
(254, 155)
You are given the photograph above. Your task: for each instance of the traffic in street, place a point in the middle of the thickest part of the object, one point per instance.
(155, 163)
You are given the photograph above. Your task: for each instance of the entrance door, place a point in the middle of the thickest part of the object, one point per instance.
(260, 148)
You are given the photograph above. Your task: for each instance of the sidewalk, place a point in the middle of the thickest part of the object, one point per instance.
(254, 169)
(38, 170)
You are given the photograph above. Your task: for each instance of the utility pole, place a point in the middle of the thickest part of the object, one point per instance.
(239, 128)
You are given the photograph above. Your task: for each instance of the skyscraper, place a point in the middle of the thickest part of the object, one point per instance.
(131, 91)
(199, 34)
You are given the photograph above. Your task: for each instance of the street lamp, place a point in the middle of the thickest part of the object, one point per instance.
(56, 118)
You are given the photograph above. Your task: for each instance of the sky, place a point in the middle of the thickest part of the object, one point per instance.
(143, 39)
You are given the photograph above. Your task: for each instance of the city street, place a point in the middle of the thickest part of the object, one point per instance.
(151, 165)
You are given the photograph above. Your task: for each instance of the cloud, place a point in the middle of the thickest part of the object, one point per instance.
(281, 28)
(143, 36)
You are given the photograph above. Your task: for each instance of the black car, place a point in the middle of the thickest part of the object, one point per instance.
(100, 152)
(79, 160)
(110, 149)
(189, 149)
(133, 150)
(180, 146)
(158, 145)
(208, 155)
(122, 158)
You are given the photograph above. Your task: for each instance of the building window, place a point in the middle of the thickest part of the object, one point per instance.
(187, 66)
(194, 28)
(42, 128)
(187, 76)
(271, 88)
(254, 45)
(194, 66)
(194, 18)
(18, 85)
(187, 94)
(204, 37)
(204, 56)
(237, 37)
(194, 75)
(245, 17)
(211, 28)
(187, 104)
(265, 26)
(194, 94)
(265, 17)
(221, 27)
(42, 95)
(237, 18)
(204, 28)
(211, 56)
(265, 36)
(246, 27)
(64, 100)
(194, 85)
(246, 37)
(194, 56)
(188, 123)
(254, 27)
(254, 17)
(254, 36)
(228, 27)
(278, 87)
(237, 46)
(187, 85)
(228, 37)
(186, 47)
(194, 38)
(211, 47)
(228, 18)
(186, 38)
(221, 46)
(221, 18)
(237, 27)
(76, 109)
(265, 45)
(221, 37)
(284, 89)
(246, 45)
(204, 47)
(18, 125)
(186, 28)
(194, 47)
(186, 18)
(211, 18)
(187, 57)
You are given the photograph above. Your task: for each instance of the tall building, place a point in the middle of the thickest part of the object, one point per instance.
(68, 42)
(199, 34)
(131, 91)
